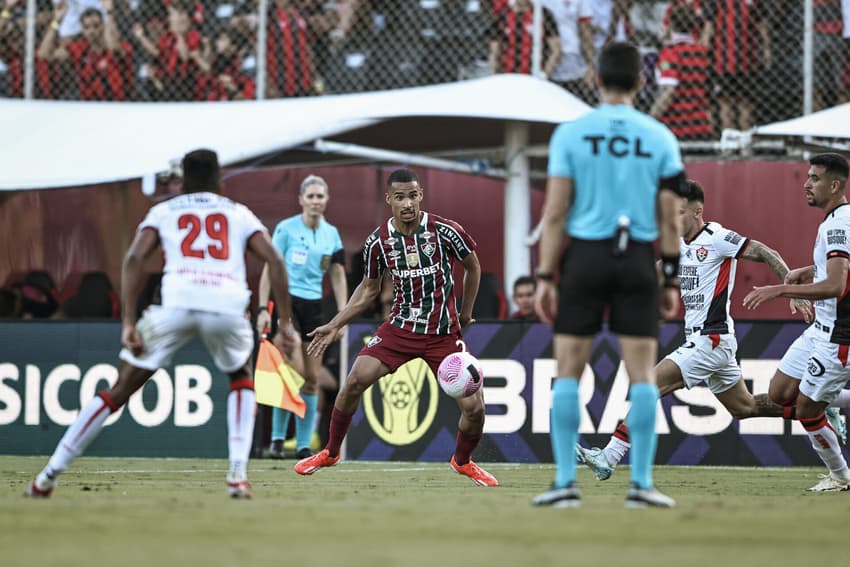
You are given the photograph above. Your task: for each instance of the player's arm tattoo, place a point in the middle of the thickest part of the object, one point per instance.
(765, 407)
(758, 252)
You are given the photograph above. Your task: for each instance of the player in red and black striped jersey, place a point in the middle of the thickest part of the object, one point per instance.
(418, 249)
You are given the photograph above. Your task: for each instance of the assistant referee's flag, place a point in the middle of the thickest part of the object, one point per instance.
(275, 382)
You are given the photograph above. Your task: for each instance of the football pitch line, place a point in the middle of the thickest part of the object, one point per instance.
(370, 467)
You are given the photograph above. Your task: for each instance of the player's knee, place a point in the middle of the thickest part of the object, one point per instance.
(356, 384)
(474, 413)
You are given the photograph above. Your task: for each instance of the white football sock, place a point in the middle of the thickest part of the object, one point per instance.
(826, 445)
(77, 438)
(241, 407)
(615, 450)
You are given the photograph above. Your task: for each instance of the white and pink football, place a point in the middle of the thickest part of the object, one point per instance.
(460, 375)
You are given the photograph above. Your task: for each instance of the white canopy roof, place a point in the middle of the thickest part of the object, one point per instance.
(830, 123)
(48, 144)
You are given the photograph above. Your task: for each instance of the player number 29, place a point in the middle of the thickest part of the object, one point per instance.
(215, 226)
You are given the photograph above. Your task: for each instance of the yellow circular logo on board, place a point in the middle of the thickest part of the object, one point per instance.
(400, 422)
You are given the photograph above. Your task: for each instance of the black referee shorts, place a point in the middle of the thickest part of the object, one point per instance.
(306, 316)
(593, 279)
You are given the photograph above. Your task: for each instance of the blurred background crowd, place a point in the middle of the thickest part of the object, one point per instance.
(710, 64)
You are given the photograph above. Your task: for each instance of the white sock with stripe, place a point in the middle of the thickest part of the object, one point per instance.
(77, 438)
(826, 445)
(241, 409)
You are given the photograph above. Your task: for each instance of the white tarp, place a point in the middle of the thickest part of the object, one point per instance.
(830, 123)
(47, 144)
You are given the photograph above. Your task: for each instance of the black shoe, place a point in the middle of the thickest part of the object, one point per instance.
(567, 497)
(303, 453)
(276, 449)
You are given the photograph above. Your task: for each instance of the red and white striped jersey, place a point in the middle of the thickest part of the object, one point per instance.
(204, 238)
(707, 273)
(421, 269)
(832, 242)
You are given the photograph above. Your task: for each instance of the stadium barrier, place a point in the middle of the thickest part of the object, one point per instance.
(47, 369)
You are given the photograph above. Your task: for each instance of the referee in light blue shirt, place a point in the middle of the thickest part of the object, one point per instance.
(612, 173)
(310, 247)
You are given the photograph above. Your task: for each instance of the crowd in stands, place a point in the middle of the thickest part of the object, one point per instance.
(748, 53)
(35, 295)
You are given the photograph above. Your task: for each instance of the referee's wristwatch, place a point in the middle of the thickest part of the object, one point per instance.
(545, 276)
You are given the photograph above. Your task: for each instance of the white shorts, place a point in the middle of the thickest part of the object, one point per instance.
(702, 361)
(814, 361)
(228, 338)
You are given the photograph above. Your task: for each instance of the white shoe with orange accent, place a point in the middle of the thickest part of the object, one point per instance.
(478, 475)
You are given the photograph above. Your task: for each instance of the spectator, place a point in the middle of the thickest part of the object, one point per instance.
(511, 40)
(289, 56)
(70, 22)
(322, 19)
(682, 77)
(730, 31)
(523, 297)
(179, 60)
(227, 81)
(36, 300)
(827, 53)
(150, 19)
(575, 69)
(695, 5)
(103, 64)
(610, 22)
(12, 40)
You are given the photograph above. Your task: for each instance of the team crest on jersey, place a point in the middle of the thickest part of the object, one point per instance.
(702, 253)
(412, 260)
(373, 341)
(428, 249)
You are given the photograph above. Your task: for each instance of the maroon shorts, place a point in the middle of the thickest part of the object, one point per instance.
(394, 346)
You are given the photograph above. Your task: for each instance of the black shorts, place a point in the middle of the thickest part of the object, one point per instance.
(592, 279)
(306, 316)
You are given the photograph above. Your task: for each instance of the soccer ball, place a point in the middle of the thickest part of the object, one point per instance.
(460, 375)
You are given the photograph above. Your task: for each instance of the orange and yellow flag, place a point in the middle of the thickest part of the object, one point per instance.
(275, 382)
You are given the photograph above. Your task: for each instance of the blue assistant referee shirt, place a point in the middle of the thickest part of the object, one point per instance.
(616, 157)
(308, 254)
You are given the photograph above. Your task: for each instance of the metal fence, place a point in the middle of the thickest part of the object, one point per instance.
(709, 64)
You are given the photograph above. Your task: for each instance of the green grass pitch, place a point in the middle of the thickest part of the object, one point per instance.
(163, 512)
